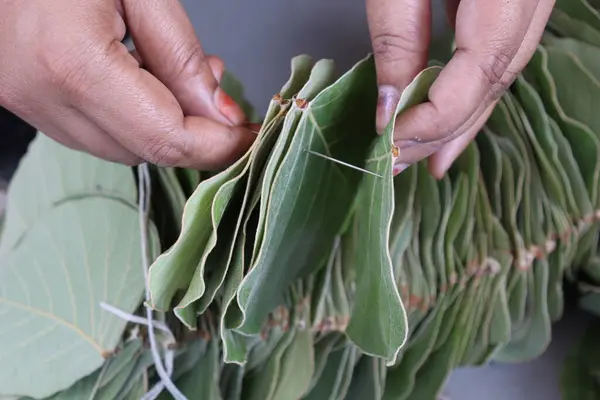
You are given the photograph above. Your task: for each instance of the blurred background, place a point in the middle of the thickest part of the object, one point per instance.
(257, 40)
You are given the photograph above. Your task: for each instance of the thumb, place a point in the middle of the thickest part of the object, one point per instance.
(167, 43)
(400, 34)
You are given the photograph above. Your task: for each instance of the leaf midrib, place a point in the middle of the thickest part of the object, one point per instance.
(56, 319)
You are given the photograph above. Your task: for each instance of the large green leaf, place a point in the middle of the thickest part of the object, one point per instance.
(51, 174)
(70, 244)
(50, 298)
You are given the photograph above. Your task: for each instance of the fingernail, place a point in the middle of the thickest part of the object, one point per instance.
(229, 108)
(386, 104)
(218, 73)
(399, 168)
(217, 67)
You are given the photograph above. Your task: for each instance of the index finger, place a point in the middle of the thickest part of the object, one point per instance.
(400, 34)
(488, 35)
(144, 116)
(166, 40)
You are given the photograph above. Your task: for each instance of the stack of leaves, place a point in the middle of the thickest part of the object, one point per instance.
(306, 270)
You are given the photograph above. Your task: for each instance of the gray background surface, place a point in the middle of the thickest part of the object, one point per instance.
(257, 39)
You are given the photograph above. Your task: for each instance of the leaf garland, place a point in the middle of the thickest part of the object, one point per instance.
(294, 274)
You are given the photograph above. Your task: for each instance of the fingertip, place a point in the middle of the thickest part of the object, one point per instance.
(242, 139)
(387, 102)
(217, 66)
(215, 146)
(438, 164)
(398, 168)
(226, 105)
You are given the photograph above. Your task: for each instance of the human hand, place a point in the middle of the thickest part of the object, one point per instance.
(64, 70)
(495, 40)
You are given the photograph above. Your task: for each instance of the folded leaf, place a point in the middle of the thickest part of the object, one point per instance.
(378, 301)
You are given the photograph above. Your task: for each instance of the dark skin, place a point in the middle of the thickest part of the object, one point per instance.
(65, 71)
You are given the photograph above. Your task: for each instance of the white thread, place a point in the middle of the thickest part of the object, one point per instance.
(170, 354)
(314, 153)
(165, 376)
(137, 319)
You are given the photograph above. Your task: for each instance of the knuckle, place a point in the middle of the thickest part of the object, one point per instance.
(165, 152)
(189, 60)
(391, 47)
(69, 71)
(496, 72)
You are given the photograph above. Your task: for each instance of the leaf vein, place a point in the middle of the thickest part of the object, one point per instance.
(53, 317)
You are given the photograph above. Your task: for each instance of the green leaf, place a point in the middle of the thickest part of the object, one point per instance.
(189, 179)
(310, 196)
(105, 379)
(51, 174)
(68, 247)
(174, 192)
(174, 269)
(234, 88)
(234, 346)
(588, 55)
(319, 77)
(401, 378)
(366, 379)
(429, 199)
(297, 366)
(571, 27)
(584, 143)
(328, 282)
(576, 93)
(51, 297)
(323, 348)
(261, 383)
(333, 382)
(531, 338)
(581, 11)
(202, 381)
(378, 323)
